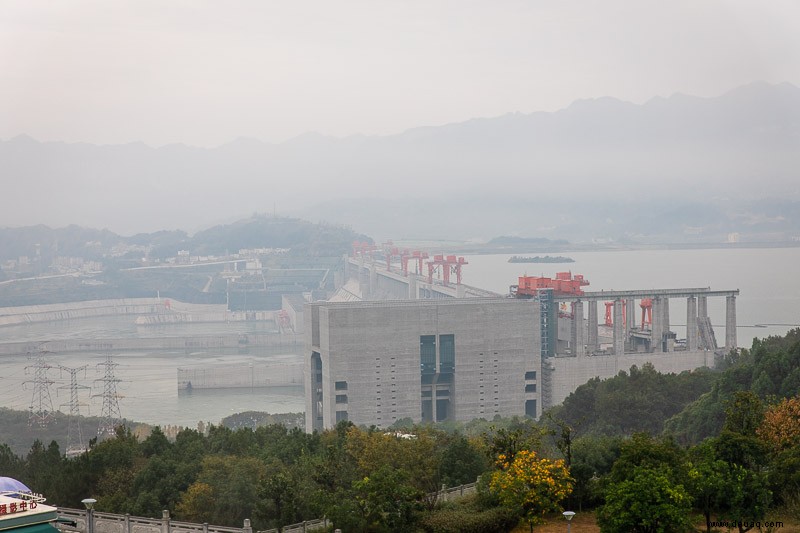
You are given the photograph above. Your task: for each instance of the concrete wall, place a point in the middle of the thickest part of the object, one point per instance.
(155, 343)
(293, 304)
(241, 375)
(163, 310)
(375, 348)
(569, 373)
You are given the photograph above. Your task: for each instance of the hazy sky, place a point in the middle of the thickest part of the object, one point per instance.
(205, 73)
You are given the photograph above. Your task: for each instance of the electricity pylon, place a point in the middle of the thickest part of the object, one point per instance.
(41, 410)
(74, 435)
(110, 415)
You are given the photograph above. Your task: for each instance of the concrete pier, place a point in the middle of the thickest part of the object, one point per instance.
(657, 327)
(619, 329)
(669, 341)
(702, 306)
(592, 343)
(413, 292)
(373, 279)
(730, 322)
(578, 345)
(630, 314)
(691, 323)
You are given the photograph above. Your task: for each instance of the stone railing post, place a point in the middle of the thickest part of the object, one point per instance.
(165, 521)
(127, 527)
(205, 527)
(247, 527)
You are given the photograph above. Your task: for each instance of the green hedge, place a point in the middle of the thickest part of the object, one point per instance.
(470, 520)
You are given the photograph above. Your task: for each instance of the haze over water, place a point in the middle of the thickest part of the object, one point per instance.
(767, 279)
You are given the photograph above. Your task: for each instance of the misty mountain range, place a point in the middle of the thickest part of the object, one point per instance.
(674, 169)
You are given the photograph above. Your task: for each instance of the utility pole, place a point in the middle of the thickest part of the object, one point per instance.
(110, 415)
(41, 410)
(74, 435)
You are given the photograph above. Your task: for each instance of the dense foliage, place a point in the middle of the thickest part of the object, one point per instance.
(372, 480)
(631, 402)
(770, 370)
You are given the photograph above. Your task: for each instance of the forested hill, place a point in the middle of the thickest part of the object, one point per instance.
(258, 231)
(770, 370)
(689, 406)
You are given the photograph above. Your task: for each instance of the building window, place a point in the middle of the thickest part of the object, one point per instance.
(530, 408)
(447, 353)
(530, 388)
(530, 375)
(341, 415)
(341, 385)
(341, 398)
(427, 354)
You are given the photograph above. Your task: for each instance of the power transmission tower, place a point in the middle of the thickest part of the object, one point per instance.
(41, 410)
(74, 435)
(110, 415)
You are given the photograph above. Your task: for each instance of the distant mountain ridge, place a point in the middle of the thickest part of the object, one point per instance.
(744, 144)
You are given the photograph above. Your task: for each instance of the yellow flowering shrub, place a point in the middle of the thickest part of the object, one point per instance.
(533, 485)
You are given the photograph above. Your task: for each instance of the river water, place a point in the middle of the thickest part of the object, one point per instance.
(769, 304)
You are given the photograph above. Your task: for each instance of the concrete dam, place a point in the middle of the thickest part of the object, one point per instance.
(393, 344)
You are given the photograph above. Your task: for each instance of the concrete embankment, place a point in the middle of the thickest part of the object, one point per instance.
(192, 342)
(156, 307)
(241, 376)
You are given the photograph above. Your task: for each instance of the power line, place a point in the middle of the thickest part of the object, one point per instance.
(110, 416)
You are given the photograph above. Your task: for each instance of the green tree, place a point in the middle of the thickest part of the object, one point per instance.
(508, 441)
(643, 451)
(461, 462)
(197, 503)
(647, 502)
(744, 413)
(10, 464)
(43, 467)
(747, 497)
(233, 483)
(592, 459)
(386, 500)
(708, 480)
(278, 497)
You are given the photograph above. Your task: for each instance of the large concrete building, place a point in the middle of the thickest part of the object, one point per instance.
(450, 353)
(428, 360)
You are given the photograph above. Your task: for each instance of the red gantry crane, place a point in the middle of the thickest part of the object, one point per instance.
(610, 313)
(448, 264)
(416, 255)
(564, 284)
(363, 249)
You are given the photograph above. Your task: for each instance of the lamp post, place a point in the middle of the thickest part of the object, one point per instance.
(89, 504)
(568, 515)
